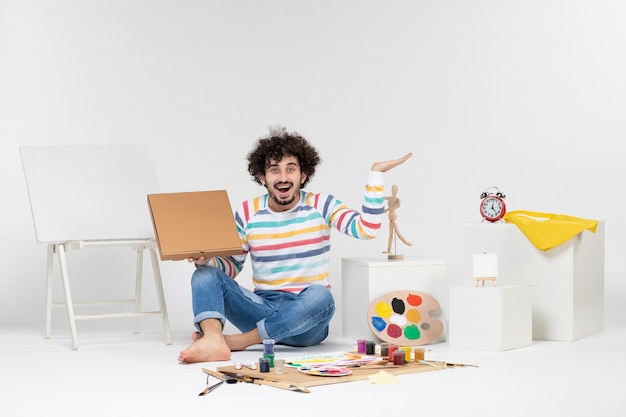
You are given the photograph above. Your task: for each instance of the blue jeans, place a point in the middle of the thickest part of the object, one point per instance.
(290, 319)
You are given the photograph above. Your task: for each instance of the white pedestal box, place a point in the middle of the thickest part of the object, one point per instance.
(365, 279)
(490, 318)
(567, 281)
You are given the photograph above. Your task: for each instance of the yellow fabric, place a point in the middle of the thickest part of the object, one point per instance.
(547, 230)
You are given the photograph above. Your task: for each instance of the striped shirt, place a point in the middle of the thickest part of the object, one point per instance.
(290, 250)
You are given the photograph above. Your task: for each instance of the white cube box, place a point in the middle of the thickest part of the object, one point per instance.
(490, 318)
(365, 279)
(567, 281)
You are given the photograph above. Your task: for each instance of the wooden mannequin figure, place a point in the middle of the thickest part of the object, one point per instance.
(393, 203)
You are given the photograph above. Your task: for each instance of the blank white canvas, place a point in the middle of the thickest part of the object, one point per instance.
(90, 192)
(485, 265)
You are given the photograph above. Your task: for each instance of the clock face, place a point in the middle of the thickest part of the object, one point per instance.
(492, 208)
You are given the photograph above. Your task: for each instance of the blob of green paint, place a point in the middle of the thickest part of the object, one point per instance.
(411, 332)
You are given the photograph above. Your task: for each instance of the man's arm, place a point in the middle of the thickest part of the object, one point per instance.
(385, 166)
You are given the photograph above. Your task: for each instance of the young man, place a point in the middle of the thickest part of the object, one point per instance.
(286, 232)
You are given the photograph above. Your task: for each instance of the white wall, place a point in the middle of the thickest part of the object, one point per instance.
(528, 96)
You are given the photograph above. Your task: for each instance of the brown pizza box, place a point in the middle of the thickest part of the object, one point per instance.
(194, 224)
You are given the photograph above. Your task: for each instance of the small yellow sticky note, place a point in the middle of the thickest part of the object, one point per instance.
(383, 378)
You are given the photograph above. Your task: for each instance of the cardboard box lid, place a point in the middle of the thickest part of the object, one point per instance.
(194, 224)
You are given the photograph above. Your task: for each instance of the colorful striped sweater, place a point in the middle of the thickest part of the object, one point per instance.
(290, 250)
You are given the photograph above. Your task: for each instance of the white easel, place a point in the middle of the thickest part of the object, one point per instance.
(485, 268)
(93, 196)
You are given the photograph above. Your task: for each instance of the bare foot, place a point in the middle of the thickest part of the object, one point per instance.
(238, 342)
(233, 342)
(205, 348)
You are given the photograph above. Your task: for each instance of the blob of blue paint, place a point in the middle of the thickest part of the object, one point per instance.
(378, 323)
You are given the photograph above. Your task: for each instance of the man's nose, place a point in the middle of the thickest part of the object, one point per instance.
(282, 175)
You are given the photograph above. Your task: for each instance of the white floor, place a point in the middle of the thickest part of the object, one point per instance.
(119, 373)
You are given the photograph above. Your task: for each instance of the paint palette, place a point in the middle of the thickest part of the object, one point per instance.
(405, 318)
(325, 370)
(335, 359)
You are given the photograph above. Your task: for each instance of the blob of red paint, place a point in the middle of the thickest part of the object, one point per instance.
(395, 331)
(414, 299)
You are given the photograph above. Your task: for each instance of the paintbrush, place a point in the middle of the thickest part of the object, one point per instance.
(261, 381)
(448, 364)
(381, 364)
(459, 365)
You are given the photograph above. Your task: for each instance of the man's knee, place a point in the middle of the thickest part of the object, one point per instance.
(203, 275)
(321, 297)
(319, 292)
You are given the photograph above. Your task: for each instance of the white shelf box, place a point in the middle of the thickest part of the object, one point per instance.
(490, 318)
(365, 279)
(567, 281)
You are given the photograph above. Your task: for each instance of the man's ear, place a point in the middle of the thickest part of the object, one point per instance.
(261, 178)
(303, 179)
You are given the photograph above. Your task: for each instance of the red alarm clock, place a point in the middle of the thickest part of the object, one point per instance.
(492, 207)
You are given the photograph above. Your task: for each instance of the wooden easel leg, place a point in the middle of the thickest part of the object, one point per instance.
(68, 295)
(160, 295)
(138, 279)
(49, 274)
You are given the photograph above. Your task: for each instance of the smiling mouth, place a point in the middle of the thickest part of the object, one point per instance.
(283, 190)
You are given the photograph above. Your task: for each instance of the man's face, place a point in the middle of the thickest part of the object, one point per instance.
(282, 180)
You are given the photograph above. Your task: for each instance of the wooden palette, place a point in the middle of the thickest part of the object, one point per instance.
(406, 318)
(293, 376)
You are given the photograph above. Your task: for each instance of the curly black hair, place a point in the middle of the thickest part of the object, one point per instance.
(277, 144)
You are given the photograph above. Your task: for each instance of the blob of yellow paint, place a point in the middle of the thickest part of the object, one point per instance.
(383, 310)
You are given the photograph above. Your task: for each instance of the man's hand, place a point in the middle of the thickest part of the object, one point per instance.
(385, 166)
(201, 261)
